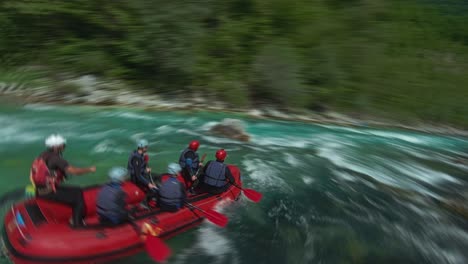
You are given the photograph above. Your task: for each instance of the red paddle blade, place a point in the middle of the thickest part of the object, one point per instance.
(157, 249)
(253, 195)
(216, 218)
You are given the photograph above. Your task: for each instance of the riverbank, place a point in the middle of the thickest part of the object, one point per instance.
(87, 90)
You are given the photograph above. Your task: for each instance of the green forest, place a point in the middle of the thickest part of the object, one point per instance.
(398, 59)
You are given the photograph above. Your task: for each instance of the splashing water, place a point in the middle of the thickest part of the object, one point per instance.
(331, 194)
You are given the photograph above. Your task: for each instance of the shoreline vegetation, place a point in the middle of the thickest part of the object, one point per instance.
(87, 90)
(399, 63)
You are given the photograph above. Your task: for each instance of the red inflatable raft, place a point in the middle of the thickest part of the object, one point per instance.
(38, 231)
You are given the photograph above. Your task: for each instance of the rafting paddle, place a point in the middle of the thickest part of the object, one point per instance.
(154, 246)
(251, 194)
(212, 216)
(202, 160)
(157, 249)
(195, 183)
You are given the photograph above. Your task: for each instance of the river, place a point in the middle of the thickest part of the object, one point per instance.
(331, 194)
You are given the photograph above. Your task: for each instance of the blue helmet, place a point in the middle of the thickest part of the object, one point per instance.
(117, 174)
(174, 168)
(142, 143)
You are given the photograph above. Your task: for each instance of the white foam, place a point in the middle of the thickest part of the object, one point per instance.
(428, 247)
(18, 131)
(422, 173)
(457, 153)
(39, 107)
(423, 212)
(131, 115)
(338, 155)
(188, 132)
(345, 129)
(331, 151)
(279, 210)
(107, 146)
(335, 140)
(208, 125)
(281, 142)
(431, 155)
(221, 205)
(126, 115)
(378, 169)
(259, 149)
(290, 159)
(344, 176)
(307, 180)
(377, 204)
(392, 135)
(220, 140)
(255, 112)
(264, 174)
(189, 121)
(461, 166)
(18, 136)
(137, 136)
(99, 135)
(384, 170)
(213, 243)
(266, 126)
(164, 129)
(413, 151)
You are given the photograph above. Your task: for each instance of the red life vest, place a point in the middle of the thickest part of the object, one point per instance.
(40, 174)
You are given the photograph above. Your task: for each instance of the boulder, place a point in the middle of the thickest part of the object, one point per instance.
(231, 128)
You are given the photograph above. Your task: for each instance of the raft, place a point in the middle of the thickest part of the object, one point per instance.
(38, 231)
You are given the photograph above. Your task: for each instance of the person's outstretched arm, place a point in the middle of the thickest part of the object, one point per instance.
(79, 171)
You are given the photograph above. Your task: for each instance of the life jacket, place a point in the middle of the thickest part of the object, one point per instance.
(215, 174)
(131, 168)
(107, 203)
(195, 161)
(42, 177)
(171, 192)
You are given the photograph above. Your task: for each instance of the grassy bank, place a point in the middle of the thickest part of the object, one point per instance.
(396, 59)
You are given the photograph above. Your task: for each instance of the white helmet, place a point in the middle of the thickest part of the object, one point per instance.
(142, 143)
(55, 140)
(174, 168)
(117, 174)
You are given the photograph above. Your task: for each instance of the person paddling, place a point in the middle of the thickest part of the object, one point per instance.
(216, 176)
(172, 190)
(110, 202)
(48, 172)
(189, 161)
(138, 166)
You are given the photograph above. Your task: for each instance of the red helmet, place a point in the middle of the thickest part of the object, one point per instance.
(194, 144)
(221, 154)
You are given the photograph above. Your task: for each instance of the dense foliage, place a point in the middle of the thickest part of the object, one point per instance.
(405, 59)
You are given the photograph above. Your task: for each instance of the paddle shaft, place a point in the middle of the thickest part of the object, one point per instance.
(249, 193)
(196, 207)
(196, 182)
(235, 184)
(199, 167)
(135, 226)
